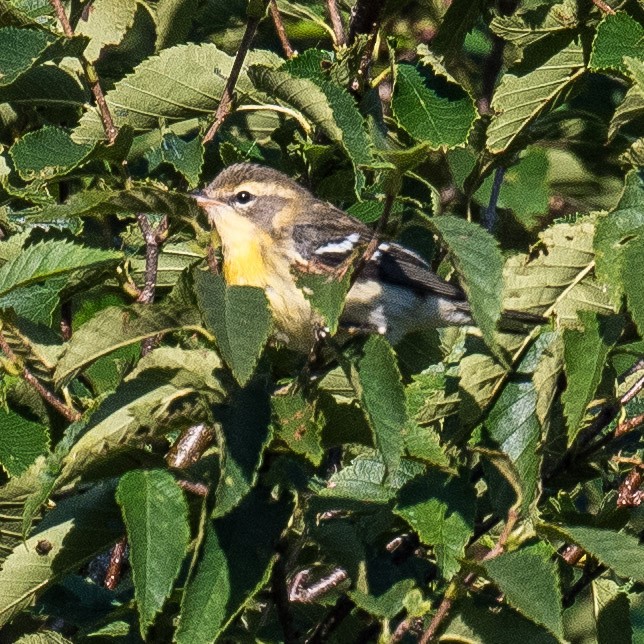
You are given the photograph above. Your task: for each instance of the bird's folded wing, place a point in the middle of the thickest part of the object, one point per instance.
(326, 245)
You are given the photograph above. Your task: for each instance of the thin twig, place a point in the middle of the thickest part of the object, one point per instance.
(458, 582)
(630, 495)
(196, 488)
(489, 219)
(190, 446)
(362, 77)
(332, 620)
(226, 103)
(90, 74)
(441, 613)
(289, 52)
(279, 592)
(67, 412)
(154, 238)
(600, 4)
(572, 554)
(115, 567)
(336, 23)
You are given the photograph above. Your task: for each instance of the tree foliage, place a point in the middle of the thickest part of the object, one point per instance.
(480, 484)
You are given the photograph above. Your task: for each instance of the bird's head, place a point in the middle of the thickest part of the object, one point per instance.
(252, 193)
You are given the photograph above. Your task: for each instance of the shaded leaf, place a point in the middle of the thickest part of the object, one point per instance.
(520, 100)
(155, 513)
(529, 581)
(617, 550)
(50, 259)
(74, 535)
(19, 50)
(617, 35)
(227, 577)
(441, 509)
(21, 442)
(440, 116)
(479, 263)
(106, 24)
(47, 153)
(379, 388)
(239, 318)
(585, 354)
(244, 436)
(118, 327)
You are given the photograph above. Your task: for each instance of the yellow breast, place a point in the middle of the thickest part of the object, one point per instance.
(244, 251)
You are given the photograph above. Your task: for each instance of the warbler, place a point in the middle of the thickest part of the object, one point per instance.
(271, 229)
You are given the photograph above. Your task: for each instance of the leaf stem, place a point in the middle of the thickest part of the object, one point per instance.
(90, 75)
(71, 414)
(336, 22)
(289, 52)
(226, 103)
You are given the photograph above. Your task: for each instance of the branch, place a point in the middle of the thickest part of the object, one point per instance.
(90, 75)
(226, 103)
(490, 212)
(602, 6)
(336, 22)
(115, 566)
(190, 446)
(289, 52)
(67, 412)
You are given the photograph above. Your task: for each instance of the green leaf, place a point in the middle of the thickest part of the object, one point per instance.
(438, 114)
(488, 623)
(479, 263)
(328, 107)
(185, 156)
(633, 258)
(529, 582)
(235, 563)
(441, 509)
(21, 13)
(297, 426)
(612, 609)
(36, 302)
(557, 276)
(240, 319)
(50, 259)
(366, 480)
(379, 388)
(519, 419)
(386, 605)
(47, 153)
(528, 29)
(458, 21)
(244, 436)
(155, 513)
(585, 354)
(21, 442)
(141, 197)
(106, 24)
(75, 536)
(327, 295)
(621, 552)
(117, 327)
(630, 110)
(20, 49)
(618, 35)
(159, 89)
(525, 189)
(520, 100)
(123, 424)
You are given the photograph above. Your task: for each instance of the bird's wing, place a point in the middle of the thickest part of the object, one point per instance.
(328, 239)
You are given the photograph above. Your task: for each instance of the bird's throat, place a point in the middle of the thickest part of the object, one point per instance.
(242, 249)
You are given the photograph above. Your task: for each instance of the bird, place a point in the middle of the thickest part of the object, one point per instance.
(272, 229)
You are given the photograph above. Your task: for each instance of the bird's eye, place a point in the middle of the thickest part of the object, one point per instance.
(243, 197)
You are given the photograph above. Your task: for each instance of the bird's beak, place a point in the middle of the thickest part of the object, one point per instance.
(204, 200)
